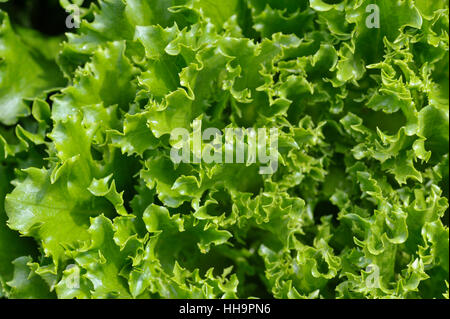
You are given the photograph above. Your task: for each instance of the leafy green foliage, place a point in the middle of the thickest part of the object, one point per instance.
(358, 207)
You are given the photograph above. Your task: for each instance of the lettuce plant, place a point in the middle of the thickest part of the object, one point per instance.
(92, 206)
